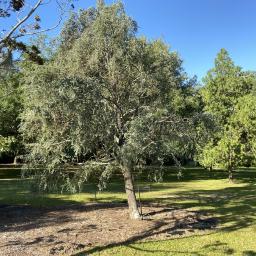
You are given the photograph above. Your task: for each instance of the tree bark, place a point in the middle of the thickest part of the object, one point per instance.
(230, 174)
(15, 160)
(131, 197)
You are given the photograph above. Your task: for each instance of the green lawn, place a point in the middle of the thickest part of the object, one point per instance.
(234, 204)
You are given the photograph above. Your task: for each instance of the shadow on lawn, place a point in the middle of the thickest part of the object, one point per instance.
(249, 253)
(235, 208)
(191, 174)
(216, 247)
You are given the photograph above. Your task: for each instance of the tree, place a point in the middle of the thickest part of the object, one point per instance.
(206, 156)
(111, 99)
(226, 153)
(226, 89)
(245, 120)
(75, 25)
(10, 108)
(224, 84)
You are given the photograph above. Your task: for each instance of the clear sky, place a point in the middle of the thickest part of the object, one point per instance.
(196, 29)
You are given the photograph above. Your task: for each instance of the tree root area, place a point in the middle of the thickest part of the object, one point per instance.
(66, 230)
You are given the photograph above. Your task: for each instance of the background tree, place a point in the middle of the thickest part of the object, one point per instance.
(226, 153)
(226, 88)
(111, 96)
(224, 85)
(10, 108)
(245, 120)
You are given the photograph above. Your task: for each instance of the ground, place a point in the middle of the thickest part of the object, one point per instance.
(67, 229)
(201, 214)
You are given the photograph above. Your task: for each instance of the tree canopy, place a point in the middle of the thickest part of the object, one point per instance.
(110, 99)
(229, 97)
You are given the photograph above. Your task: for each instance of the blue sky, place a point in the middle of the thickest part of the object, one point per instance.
(196, 29)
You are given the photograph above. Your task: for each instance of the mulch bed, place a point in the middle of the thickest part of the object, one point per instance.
(68, 229)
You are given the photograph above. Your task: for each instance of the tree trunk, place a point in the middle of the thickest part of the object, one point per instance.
(230, 174)
(15, 160)
(131, 197)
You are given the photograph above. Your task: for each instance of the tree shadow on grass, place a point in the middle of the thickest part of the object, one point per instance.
(134, 243)
(249, 253)
(155, 230)
(213, 247)
(234, 208)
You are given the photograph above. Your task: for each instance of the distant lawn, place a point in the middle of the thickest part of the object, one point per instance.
(14, 190)
(234, 204)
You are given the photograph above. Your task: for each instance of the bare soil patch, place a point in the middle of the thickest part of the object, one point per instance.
(68, 229)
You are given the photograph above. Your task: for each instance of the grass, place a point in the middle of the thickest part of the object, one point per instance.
(218, 244)
(234, 204)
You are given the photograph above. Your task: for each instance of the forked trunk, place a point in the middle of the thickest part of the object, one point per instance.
(131, 197)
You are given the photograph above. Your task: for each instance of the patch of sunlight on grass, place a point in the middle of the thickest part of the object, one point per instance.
(240, 242)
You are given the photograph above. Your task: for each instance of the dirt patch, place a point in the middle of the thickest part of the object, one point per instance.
(64, 230)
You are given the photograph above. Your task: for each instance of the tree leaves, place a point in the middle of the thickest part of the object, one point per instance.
(108, 96)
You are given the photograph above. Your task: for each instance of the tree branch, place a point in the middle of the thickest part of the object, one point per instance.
(21, 22)
(41, 31)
